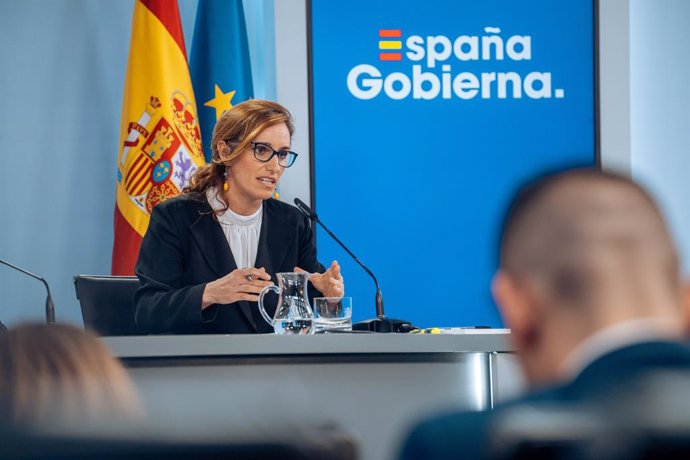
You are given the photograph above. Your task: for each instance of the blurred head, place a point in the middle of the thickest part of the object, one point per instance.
(581, 251)
(252, 126)
(59, 373)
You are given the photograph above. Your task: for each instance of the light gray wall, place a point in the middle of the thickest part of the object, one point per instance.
(292, 91)
(660, 109)
(614, 85)
(61, 83)
(644, 59)
(63, 68)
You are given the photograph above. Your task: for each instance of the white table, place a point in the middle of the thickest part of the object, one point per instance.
(373, 385)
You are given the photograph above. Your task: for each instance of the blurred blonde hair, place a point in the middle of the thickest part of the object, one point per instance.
(60, 373)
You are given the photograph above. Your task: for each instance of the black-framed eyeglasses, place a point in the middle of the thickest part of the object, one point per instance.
(264, 153)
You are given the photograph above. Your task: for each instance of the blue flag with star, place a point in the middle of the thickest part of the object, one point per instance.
(219, 63)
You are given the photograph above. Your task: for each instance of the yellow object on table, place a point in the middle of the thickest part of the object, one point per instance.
(430, 330)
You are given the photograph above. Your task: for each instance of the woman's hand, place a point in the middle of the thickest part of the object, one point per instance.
(240, 284)
(329, 283)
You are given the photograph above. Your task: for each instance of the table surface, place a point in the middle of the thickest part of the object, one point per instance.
(195, 384)
(452, 341)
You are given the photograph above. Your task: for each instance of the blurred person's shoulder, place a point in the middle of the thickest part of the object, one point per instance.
(453, 435)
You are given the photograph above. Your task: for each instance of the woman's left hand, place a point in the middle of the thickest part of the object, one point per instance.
(329, 283)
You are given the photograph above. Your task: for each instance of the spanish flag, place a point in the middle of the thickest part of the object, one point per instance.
(160, 144)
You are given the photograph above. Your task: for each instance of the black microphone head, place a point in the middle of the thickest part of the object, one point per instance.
(306, 210)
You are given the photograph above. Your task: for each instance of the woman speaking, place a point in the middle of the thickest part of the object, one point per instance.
(208, 253)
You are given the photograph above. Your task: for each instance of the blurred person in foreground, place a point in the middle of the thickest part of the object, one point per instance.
(63, 395)
(55, 376)
(209, 252)
(589, 285)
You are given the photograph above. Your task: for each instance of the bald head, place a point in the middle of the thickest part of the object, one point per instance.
(583, 251)
(582, 232)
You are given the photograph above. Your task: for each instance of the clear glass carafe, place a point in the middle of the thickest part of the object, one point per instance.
(293, 314)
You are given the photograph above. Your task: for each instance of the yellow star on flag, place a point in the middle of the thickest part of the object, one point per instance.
(221, 101)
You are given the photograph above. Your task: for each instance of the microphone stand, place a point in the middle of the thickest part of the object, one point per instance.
(50, 308)
(381, 323)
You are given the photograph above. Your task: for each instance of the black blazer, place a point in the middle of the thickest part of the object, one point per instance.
(184, 248)
(467, 435)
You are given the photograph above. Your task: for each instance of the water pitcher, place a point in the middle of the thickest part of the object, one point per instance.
(293, 314)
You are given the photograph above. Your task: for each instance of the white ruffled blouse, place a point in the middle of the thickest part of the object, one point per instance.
(242, 232)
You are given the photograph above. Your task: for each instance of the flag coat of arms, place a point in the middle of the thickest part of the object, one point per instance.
(160, 142)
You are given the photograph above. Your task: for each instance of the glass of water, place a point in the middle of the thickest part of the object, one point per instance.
(332, 314)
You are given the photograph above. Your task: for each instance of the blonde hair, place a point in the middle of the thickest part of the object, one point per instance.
(60, 372)
(237, 127)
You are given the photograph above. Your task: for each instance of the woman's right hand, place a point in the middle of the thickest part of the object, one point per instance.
(240, 284)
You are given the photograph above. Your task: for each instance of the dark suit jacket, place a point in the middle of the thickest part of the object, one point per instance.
(184, 248)
(461, 435)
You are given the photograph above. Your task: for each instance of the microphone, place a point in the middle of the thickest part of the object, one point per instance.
(50, 308)
(381, 323)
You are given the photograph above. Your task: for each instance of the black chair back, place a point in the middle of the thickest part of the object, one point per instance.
(106, 303)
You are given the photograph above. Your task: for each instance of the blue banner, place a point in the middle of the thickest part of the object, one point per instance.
(219, 62)
(426, 116)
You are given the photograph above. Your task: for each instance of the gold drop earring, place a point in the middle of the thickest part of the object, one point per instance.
(225, 181)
